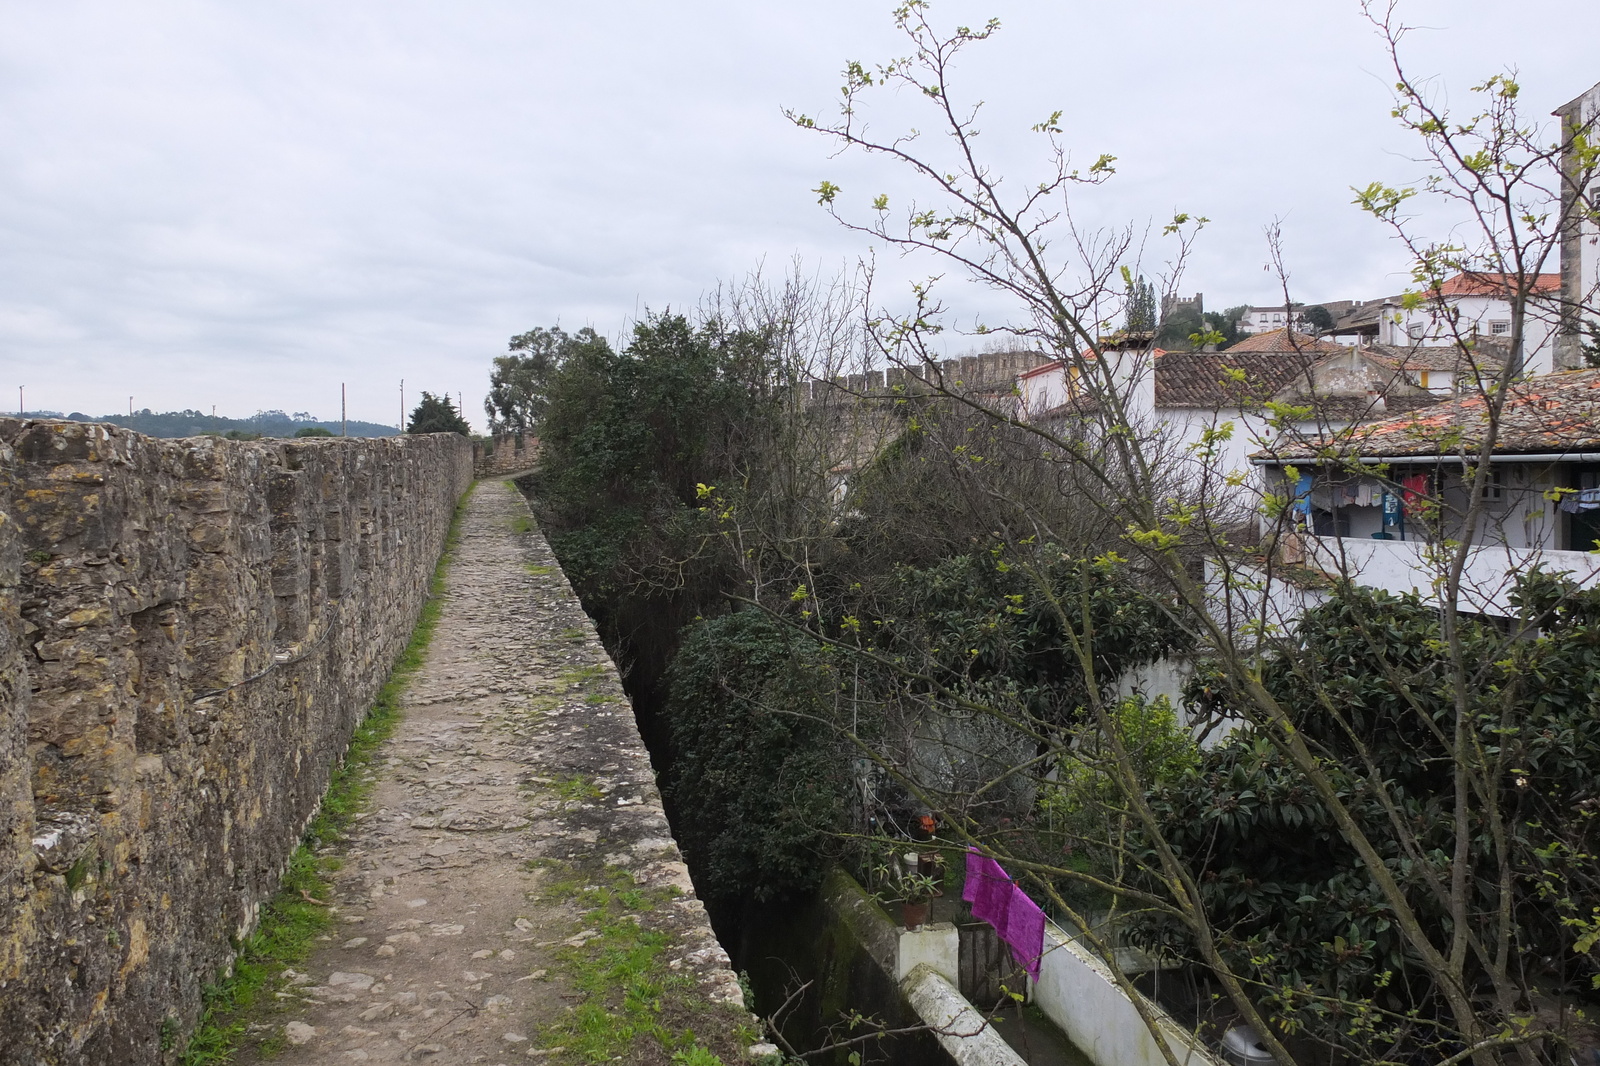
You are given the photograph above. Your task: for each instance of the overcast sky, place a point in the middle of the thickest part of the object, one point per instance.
(243, 205)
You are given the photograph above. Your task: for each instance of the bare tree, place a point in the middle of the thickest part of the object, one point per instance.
(1454, 890)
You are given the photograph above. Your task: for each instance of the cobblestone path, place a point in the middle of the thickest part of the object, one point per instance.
(513, 892)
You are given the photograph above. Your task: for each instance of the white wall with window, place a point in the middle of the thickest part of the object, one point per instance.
(1473, 316)
(1264, 319)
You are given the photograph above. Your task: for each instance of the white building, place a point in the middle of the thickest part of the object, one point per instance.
(1265, 319)
(1466, 308)
(1181, 398)
(1580, 236)
(1383, 529)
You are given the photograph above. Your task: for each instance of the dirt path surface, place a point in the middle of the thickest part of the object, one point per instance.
(513, 892)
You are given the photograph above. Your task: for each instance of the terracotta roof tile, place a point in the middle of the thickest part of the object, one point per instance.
(1473, 283)
(1487, 356)
(1283, 341)
(1203, 379)
(1550, 413)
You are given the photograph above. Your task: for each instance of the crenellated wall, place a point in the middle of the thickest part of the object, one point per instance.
(190, 631)
(506, 453)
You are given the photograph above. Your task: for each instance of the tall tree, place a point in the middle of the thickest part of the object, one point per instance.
(1470, 990)
(519, 383)
(436, 414)
(1141, 317)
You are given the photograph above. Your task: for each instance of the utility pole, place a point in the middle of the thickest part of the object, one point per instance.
(402, 405)
(19, 400)
(130, 408)
(344, 423)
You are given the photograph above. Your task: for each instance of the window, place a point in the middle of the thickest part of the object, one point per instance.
(1422, 379)
(1500, 328)
(1415, 330)
(1494, 485)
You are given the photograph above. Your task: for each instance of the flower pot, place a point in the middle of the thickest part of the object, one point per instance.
(914, 914)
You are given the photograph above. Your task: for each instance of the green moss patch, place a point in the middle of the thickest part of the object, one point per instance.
(633, 1005)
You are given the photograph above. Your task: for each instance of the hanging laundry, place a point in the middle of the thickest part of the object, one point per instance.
(1025, 932)
(1580, 501)
(1414, 491)
(1302, 496)
(988, 889)
(996, 899)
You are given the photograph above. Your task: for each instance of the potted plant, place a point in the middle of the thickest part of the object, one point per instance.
(919, 890)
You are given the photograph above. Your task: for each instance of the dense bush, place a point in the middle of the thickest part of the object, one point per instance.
(1297, 910)
(756, 757)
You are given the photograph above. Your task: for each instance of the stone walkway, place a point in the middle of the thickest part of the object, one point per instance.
(513, 892)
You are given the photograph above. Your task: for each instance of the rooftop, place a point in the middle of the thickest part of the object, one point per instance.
(1549, 414)
(1472, 283)
(1283, 341)
(1211, 381)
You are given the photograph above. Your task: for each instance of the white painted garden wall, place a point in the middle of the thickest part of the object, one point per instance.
(1076, 991)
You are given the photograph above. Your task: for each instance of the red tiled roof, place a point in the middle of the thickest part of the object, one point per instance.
(1284, 342)
(1203, 379)
(1551, 413)
(1473, 283)
(1486, 357)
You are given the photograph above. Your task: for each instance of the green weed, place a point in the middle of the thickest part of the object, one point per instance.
(298, 914)
(575, 789)
(582, 675)
(695, 1056)
(538, 571)
(622, 974)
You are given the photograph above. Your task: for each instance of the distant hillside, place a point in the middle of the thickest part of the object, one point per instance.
(197, 423)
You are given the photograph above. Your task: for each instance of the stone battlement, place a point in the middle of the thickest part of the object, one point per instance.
(506, 453)
(190, 631)
(987, 373)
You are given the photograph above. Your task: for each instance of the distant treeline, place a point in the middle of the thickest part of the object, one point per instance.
(198, 423)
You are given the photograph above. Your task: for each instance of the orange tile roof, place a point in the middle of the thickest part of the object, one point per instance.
(1284, 342)
(1552, 413)
(1473, 283)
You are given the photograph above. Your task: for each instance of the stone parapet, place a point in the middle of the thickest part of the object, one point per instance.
(190, 631)
(506, 453)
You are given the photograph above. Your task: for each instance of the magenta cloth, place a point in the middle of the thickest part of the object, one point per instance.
(988, 889)
(1024, 931)
(996, 899)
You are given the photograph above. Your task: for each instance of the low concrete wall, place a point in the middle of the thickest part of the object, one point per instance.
(1487, 581)
(190, 630)
(1076, 991)
(966, 1036)
(847, 948)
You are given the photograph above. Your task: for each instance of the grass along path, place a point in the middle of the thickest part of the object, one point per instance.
(511, 891)
(293, 919)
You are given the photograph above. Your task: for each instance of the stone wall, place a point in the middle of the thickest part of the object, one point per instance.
(190, 631)
(508, 453)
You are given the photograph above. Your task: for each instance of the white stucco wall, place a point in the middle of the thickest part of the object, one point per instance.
(1424, 326)
(1405, 566)
(1076, 991)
